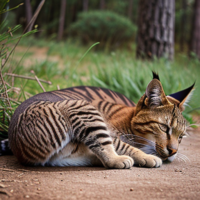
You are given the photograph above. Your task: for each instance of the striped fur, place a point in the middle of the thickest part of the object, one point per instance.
(82, 126)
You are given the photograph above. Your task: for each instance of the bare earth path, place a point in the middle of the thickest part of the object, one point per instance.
(178, 180)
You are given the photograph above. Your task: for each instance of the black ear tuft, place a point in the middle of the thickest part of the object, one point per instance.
(180, 96)
(155, 75)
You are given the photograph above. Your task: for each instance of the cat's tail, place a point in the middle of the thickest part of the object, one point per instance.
(4, 148)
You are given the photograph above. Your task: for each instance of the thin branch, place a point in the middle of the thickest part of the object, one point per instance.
(27, 77)
(40, 83)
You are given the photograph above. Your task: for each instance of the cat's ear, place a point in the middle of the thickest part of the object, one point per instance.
(153, 97)
(181, 98)
(155, 75)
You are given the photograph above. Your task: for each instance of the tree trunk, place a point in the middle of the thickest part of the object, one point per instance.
(102, 4)
(182, 25)
(130, 9)
(85, 5)
(156, 29)
(195, 33)
(62, 19)
(29, 14)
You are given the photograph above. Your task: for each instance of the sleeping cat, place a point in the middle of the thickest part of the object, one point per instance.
(88, 126)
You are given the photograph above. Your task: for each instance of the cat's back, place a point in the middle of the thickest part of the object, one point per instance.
(88, 93)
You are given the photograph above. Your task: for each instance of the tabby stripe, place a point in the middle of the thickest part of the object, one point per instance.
(73, 96)
(93, 129)
(87, 92)
(125, 100)
(123, 145)
(26, 138)
(87, 113)
(57, 104)
(75, 150)
(38, 104)
(80, 95)
(75, 119)
(62, 95)
(25, 151)
(79, 131)
(106, 143)
(30, 137)
(109, 93)
(115, 111)
(109, 108)
(41, 128)
(105, 105)
(42, 137)
(98, 94)
(50, 136)
(173, 109)
(89, 143)
(117, 145)
(102, 135)
(59, 124)
(31, 147)
(73, 104)
(99, 105)
(60, 130)
(62, 122)
(94, 146)
(78, 107)
(76, 124)
(36, 143)
(53, 129)
(71, 115)
(126, 149)
(93, 120)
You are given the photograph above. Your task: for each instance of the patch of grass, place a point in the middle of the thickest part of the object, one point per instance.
(118, 70)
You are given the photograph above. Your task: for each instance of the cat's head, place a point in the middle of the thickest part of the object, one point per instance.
(158, 121)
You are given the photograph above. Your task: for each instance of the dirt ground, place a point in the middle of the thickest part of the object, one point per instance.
(177, 180)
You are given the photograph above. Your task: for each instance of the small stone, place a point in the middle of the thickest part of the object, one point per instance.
(27, 196)
(178, 170)
(131, 189)
(38, 189)
(11, 191)
(2, 186)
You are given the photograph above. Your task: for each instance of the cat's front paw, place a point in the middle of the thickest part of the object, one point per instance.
(148, 161)
(120, 162)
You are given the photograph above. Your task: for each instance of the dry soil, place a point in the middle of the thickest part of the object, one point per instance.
(177, 180)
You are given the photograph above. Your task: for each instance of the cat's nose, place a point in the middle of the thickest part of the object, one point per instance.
(171, 151)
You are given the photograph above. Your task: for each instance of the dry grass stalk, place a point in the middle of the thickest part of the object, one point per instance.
(27, 77)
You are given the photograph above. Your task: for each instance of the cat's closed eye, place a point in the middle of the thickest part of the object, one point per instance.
(164, 128)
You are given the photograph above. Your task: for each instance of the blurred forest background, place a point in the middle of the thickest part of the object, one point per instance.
(113, 44)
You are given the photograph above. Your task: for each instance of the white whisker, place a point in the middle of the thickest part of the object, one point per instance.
(193, 125)
(183, 157)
